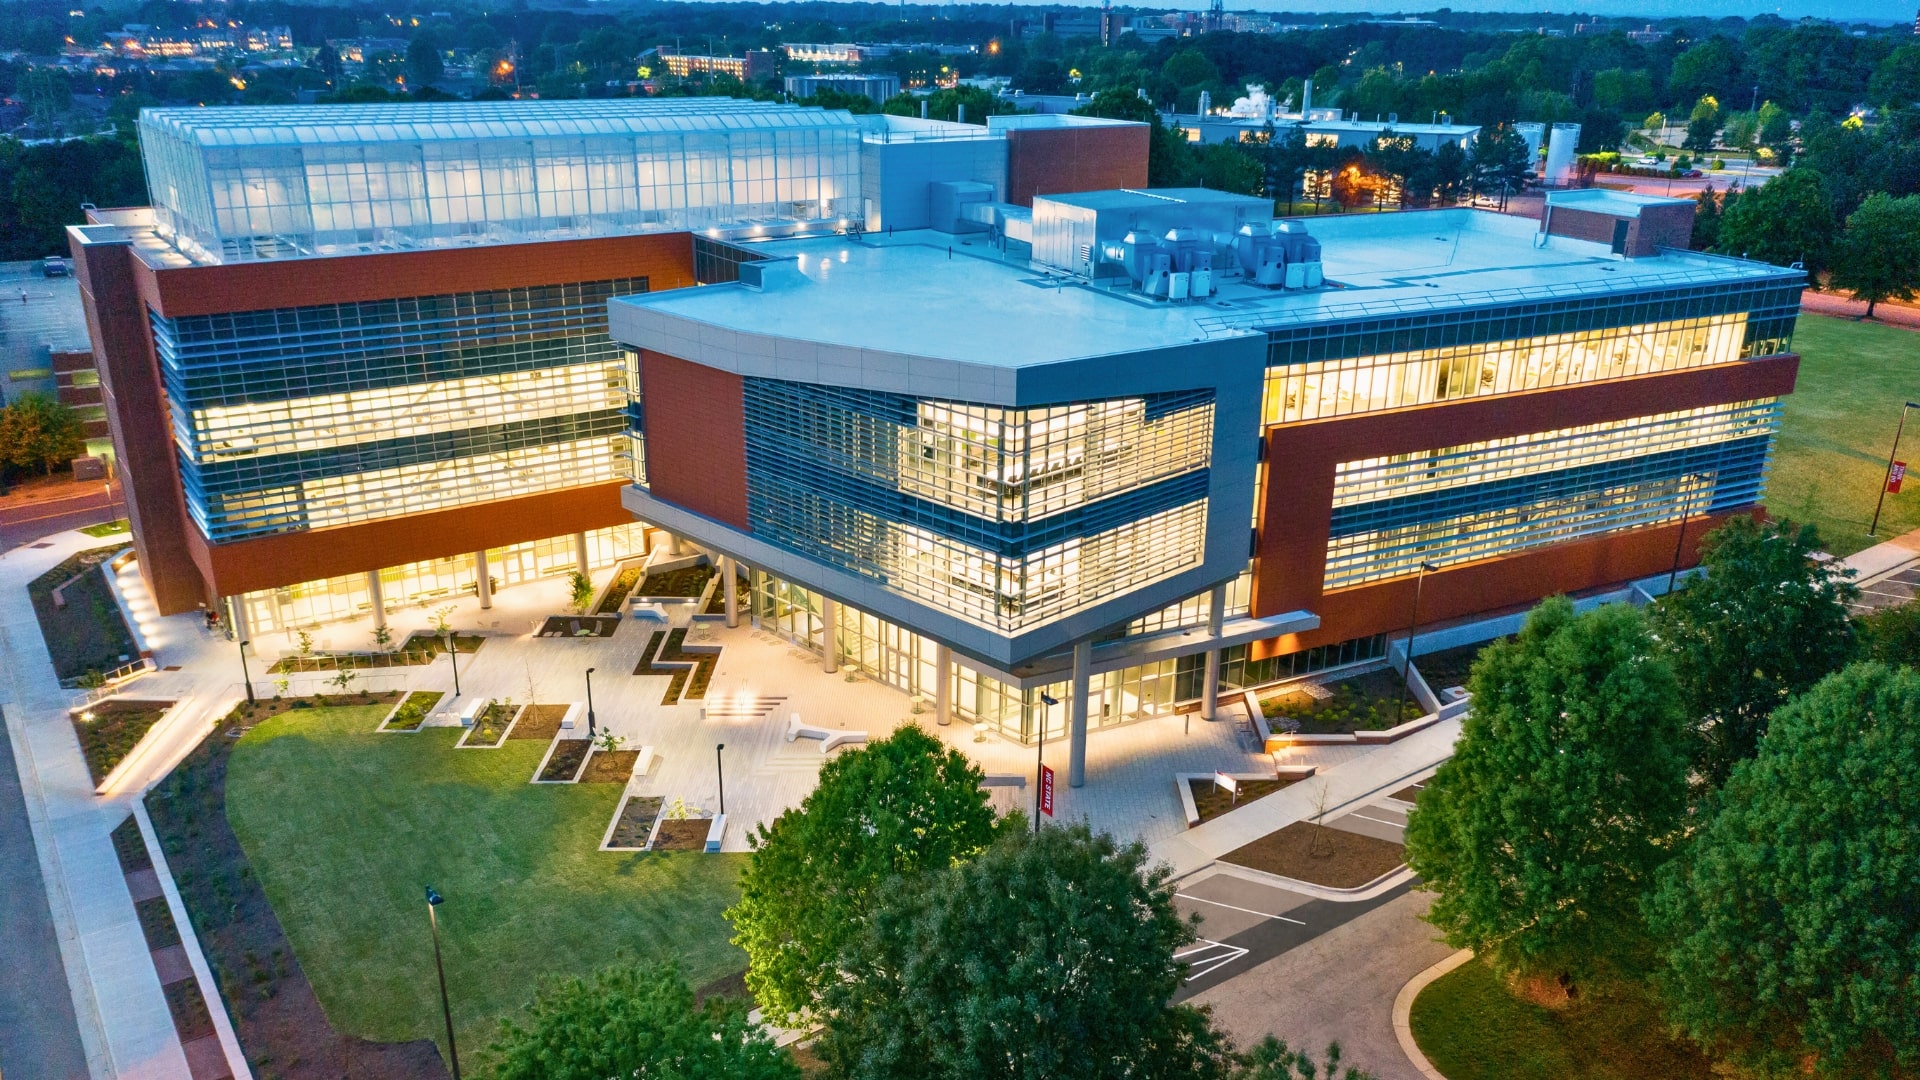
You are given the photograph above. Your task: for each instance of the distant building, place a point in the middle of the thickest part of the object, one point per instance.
(757, 64)
(1647, 35)
(876, 87)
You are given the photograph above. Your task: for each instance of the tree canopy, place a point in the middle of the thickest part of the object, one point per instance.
(38, 432)
(1767, 621)
(1569, 781)
(1793, 939)
(638, 1022)
(902, 805)
(1789, 220)
(1878, 255)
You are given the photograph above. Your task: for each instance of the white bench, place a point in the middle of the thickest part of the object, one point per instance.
(716, 832)
(641, 766)
(829, 740)
(470, 713)
(649, 611)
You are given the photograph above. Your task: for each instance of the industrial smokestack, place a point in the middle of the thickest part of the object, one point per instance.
(1306, 98)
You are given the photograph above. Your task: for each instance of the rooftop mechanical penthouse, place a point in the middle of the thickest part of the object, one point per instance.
(1104, 450)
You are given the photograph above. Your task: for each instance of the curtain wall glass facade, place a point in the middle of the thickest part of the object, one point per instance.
(302, 418)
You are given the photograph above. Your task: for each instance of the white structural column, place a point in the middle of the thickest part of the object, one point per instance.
(1210, 693)
(237, 613)
(1082, 680)
(379, 602)
(580, 553)
(732, 587)
(942, 685)
(482, 586)
(829, 635)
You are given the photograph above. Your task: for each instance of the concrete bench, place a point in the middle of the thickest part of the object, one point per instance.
(649, 611)
(993, 780)
(641, 766)
(716, 832)
(829, 740)
(471, 712)
(842, 738)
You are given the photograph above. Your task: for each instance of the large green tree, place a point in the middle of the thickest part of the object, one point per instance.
(1792, 936)
(1540, 835)
(902, 805)
(1768, 620)
(1498, 161)
(636, 1022)
(37, 432)
(1050, 955)
(1878, 256)
(1788, 220)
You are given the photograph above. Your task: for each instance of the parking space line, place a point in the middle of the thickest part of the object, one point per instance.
(1232, 907)
(1378, 821)
(1212, 964)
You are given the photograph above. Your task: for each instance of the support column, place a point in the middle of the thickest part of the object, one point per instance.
(830, 635)
(674, 547)
(482, 586)
(1216, 617)
(379, 602)
(1082, 681)
(732, 586)
(942, 685)
(580, 554)
(237, 618)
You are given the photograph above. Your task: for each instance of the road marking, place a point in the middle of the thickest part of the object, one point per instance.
(1378, 821)
(1232, 907)
(1212, 964)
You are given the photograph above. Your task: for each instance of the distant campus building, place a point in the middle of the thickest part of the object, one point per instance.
(968, 408)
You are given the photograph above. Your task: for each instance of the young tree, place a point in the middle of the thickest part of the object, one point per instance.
(1791, 937)
(1785, 221)
(1050, 955)
(1767, 621)
(902, 805)
(636, 1022)
(1776, 133)
(1878, 256)
(424, 66)
(1498, 161)
(1540, 835)
(1706, 219)
(1703, 123)
(37, 432)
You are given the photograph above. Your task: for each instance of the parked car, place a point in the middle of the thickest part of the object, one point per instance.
(53, 266)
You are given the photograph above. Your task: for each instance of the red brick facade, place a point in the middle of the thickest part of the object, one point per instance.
(696, 437)
(1058, 161)
(1668, 225)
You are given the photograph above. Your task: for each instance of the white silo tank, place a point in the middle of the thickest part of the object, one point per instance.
(1560, 145)
(1533, 134)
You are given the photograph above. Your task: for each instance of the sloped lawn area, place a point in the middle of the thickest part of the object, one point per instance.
(346, 828)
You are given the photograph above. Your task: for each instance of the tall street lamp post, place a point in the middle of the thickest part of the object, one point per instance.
(1413, 623)
(246, 676)
(590, 731)
(446, 1009)
(1040, 756)
(1887, 480)
(453, 657)
(720, 774)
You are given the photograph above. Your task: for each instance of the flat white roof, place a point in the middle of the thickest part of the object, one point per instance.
(957, 298)
(1608, 201)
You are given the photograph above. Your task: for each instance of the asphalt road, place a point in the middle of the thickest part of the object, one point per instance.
(39, 1038)
(27, 523)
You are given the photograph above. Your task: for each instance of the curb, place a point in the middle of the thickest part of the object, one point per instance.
(1403, 1011)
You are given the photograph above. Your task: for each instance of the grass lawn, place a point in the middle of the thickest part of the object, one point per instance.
(345, 828)
(1831, 455)
(1471, 1028)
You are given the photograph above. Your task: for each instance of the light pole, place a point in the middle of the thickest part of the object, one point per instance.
(453, 657)
(1679, 542)
(720, 774)
(245, 676)
(446, 1010)
(1047, 701)
(1888, 478)
(1413, 623)
(590, 672)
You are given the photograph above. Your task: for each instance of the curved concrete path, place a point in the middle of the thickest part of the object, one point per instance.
(1403, 1011)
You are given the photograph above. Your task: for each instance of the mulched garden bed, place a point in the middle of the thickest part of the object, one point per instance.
(687, 835)
(1450, 667)
(1212, 800)
(1358, 703)
(88, 636)
(413, 711)
(565, 760)
(281, 1026)
(433, 644)
(610, 767)
(539, 722)
(1319, 855)
(636, 822)
(490, 727)
(688, 582)
(1410, 793)
(245, 716)
(421, 648)
(623, 584)
(115, 727)
(567, 626)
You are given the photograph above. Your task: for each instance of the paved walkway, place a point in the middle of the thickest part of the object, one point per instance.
(39, 1037)
(1888, 573)
(1840, 305)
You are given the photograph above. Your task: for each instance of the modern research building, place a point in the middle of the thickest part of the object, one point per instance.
(968, 408)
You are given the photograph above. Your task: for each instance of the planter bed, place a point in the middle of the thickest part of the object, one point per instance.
(1450, 667)
(633, 825)
(617, 591)
(490, 728)
(1364, 702)
(433, 644)
(412, 711)
(1318, 855)
(686, 583)
(117, 726)
(1210, 800)
(563, 761)
(578, 626)
(674, 686)
(609, 767)
(88, 636)
(689, 834)
(538, 722)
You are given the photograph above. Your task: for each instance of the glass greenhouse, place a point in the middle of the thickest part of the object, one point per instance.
(233, 184)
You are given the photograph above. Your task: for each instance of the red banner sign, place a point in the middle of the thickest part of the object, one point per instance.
(1046, 791)
(1894, 476)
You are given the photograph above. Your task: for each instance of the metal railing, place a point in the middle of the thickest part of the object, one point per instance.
(112, 681)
